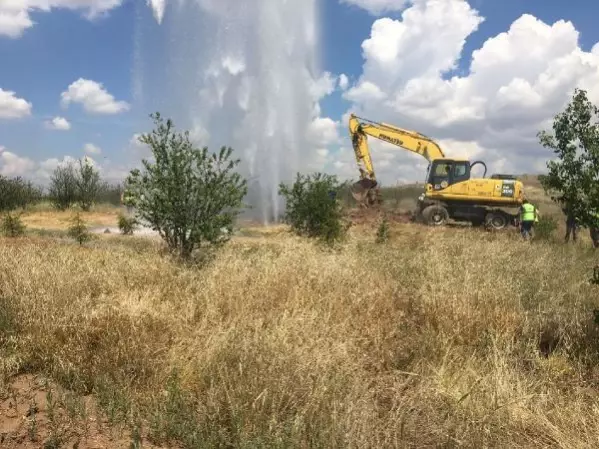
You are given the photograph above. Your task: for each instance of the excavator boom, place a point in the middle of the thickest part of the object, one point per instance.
(410, 140)
(360, 128)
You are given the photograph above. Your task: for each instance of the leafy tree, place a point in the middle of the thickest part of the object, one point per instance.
(312, 208)
(188, 195)
(63, 186)
(109, 193)
(17, 193)
(87, 185)
(573, 177)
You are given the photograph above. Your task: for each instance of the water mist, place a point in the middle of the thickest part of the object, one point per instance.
(239, 73)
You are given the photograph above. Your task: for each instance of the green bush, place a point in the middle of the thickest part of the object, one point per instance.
(12, 226)
(190, 196)
(126, 224)
(78, 230)
(545, 228)
(382, 233)
(312, 208)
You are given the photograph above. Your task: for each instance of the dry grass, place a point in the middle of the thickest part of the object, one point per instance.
(441, 338)
(46, 218)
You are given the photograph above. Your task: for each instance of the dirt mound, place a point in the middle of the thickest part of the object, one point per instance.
(374, 216)
(36, 413)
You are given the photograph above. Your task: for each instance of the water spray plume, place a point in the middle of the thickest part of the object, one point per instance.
(158, 8)
(240, 74)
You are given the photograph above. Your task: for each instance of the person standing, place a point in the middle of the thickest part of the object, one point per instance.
(571, 223)
(528, 217)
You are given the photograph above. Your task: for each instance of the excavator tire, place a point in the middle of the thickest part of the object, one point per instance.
(435, 215)
(496, 220)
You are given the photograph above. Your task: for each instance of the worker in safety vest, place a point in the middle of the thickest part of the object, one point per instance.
(528, 217)
(125, 198)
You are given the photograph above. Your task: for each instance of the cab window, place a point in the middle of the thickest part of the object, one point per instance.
(442, 170)
(440, 175)
(461, 172)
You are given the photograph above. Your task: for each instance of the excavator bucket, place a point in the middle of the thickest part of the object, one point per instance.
(361, 190)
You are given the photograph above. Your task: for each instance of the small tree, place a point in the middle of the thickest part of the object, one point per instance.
(78, 230)
(382, 232)
(312, 208)
(87, 184)
(188, 195)
(573, 178)
(63, 186)
(126, 224)
(12, 226)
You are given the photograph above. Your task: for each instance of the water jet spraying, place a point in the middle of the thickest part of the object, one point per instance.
(241, 74)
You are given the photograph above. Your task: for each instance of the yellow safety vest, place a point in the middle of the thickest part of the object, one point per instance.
(528, 212)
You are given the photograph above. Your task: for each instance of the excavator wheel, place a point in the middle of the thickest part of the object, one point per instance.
(496, 220)
(435, 215)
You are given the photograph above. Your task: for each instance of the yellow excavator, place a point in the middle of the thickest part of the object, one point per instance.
(450, 192)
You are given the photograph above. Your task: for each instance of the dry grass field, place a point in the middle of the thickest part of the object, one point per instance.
(438, 338)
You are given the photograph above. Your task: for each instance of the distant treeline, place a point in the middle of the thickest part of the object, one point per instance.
(69, 185)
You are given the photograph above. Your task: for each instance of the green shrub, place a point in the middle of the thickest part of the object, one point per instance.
(12, 226)
(312, 207)
(189, 195)
(382, 233)
(78, 230)
(545, 228)
(126, 224)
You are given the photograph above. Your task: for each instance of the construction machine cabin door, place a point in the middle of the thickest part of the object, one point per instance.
(449, 176)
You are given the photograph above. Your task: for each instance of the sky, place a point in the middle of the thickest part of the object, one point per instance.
(481, 77)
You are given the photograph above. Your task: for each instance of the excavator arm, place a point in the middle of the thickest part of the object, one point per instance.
(413, 141)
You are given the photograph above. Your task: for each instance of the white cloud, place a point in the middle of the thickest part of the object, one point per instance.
(343, 81)
(90, 148)
(15, 14)
(323, 131)
(377, 7)
(13, 165)
(517, 81)
(58, 123)
(11, 106)
(323, 86)
(93, 96)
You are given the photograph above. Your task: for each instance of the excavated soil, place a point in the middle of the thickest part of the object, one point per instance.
(373, 216)
(35, 413)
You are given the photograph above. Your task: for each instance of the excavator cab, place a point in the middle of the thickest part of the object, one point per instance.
(443, 173)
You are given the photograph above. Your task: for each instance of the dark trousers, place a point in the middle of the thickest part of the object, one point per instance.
(571, 228)
(595, 237)
(526, 228)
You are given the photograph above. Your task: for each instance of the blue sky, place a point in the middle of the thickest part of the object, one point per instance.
(63, 46)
